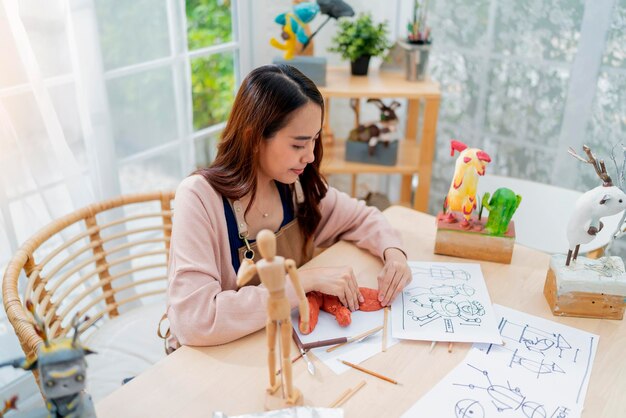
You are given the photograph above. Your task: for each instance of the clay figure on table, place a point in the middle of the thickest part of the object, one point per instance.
(501, 207)
(331, 304)
(461, 196)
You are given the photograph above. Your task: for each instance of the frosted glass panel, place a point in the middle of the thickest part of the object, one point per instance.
(162, 172)
(143, 110)
(213, 88)
(518, 89)
(539, 29)
(209, 22)
(132, 32)
(607, 128)
(615, 53)
(459, 22)
(458, 75)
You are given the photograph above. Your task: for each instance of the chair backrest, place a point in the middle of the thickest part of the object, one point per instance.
(541, 219)
(93, 262)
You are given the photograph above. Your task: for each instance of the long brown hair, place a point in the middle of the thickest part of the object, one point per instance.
(266, 100)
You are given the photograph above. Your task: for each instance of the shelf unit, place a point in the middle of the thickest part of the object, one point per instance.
(415, 155)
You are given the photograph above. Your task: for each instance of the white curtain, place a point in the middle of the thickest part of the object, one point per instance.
(94, 102)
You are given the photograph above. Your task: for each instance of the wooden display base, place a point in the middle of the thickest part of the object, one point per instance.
(582, 304)
(274, 401)
(452, 239)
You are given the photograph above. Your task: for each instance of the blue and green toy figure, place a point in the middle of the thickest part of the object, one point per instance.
(501, 207)
(61, 366)
(293, 24)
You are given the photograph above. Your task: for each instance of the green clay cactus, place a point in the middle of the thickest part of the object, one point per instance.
(501, 208)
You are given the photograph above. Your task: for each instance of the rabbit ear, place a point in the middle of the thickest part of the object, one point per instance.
(379, 103)
(394, 105)
(605, 199)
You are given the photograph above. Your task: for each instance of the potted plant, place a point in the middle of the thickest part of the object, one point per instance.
(360, 39)
(419, 33)
(417, 44)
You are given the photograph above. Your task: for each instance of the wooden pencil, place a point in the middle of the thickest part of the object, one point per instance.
(385, 328)
(347, 394)
(341, 397)
(370, 372)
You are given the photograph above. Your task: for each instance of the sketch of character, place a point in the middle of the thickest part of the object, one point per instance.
(440, 273)
(439, 299)
(469, 408)
(506, 398)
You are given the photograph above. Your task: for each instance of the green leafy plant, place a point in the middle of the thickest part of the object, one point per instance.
(360, 37)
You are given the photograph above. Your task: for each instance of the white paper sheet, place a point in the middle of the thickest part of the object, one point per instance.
(543, 370)
(327, 328)
(445, 302)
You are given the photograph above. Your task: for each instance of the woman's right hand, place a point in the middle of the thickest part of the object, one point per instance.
(336, 281)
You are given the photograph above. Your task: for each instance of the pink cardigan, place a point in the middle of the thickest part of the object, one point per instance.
(204, 305)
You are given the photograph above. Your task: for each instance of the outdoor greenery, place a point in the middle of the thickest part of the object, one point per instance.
(360, 37)
(209, 23)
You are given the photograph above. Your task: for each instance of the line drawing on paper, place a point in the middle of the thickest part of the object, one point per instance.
(440, 273)
(442, 301)
(537, 340)
(539, 367)
(506, 398)
(469, 408)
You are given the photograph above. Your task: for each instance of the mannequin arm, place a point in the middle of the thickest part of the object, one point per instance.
(290, 265)
(246, 272)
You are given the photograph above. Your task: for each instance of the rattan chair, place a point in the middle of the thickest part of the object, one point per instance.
(95, 262)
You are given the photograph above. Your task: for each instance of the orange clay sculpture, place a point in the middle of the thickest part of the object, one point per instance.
(271, 270)
(333, 306)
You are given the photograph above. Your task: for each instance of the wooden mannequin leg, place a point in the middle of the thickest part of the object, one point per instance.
(285, 347)
(271, 355)
(569, 257)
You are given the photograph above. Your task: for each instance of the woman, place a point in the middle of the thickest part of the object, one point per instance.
(266, 176)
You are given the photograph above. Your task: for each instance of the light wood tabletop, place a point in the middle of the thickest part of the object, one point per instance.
(195, 381)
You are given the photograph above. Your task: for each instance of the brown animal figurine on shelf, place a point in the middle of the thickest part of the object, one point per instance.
(271, 270)
(331, 304)
(381, 130)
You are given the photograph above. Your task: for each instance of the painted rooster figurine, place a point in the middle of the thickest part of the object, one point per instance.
(462, 194)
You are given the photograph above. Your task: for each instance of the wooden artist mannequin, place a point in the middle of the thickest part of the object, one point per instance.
(271, 270)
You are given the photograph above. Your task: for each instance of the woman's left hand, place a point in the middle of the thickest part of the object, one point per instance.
(393, 277)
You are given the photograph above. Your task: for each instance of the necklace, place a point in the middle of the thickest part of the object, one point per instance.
(263, 214)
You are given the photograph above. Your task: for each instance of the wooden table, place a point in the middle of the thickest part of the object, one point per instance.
(415, 155)
(193, 382)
